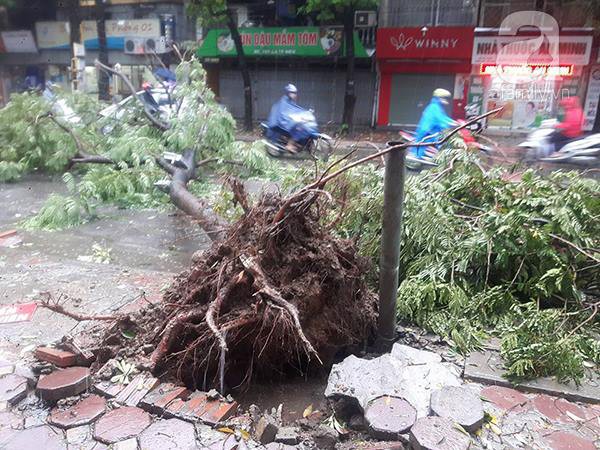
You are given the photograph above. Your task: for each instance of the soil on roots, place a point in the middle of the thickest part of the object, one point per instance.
(231, 316)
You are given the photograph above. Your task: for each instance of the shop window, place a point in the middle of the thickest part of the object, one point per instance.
(493, 12)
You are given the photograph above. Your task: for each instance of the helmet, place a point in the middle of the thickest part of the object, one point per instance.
(441, 93)
(291, 89)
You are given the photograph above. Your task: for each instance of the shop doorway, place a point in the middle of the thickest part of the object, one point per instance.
(411, 92)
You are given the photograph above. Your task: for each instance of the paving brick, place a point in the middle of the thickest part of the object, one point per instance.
(55, 356)
(198, 407)
(459, 404)
(83, 412)
(121, 424)
(158, 398)
(437, 433)
(108, 389)
(503, 397)
(562, 440)
(556, 409)
(13, 388)
(219, 412)
(136, 389)
(387, 417)
(171, 434)
(64, 383)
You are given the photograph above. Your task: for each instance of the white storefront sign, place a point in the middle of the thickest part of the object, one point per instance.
(571, 49)
(19, 41)
(55, 35)
(591, 100)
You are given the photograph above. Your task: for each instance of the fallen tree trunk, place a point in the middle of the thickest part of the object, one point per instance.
(180, 196)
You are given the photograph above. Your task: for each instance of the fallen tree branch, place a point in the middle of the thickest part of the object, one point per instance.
(156, 122)
(48, 302)
(323, 180)
(263, 286)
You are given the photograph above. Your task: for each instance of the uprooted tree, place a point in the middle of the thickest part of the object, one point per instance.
(285, 283)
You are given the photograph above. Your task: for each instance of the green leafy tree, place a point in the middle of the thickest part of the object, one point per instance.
(333, 10)
(218, 12)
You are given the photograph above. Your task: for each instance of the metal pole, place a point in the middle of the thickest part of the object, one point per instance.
(391, 234)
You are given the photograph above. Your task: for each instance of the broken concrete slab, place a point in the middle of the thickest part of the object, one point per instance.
(287, 435)
(108, 389)
(127, 444)
(459, 404)
(64, 383)
(207, 435)
(487, 367)
(121, 424)
(59, 358)
(158, 398)
(437, 433)
(170, 434)
(265, 430)
(387, 417)
(13, 388)
(364, 380)
(137, 389)
(413, 356)
(83, 412)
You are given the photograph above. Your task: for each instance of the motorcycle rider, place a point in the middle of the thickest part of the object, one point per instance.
(433, 120)
(571, 126)
(279, 119)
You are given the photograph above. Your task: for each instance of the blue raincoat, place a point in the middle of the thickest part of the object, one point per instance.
(280, 120)
(433, 120)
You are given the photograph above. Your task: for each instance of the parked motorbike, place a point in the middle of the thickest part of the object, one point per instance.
(432, 151)
(316, 144)
(584, 150)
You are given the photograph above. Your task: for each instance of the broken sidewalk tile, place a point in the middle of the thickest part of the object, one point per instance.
(19, 312)
(287, 435)
(557, 409)
(503, 397)
(487, 367)
(121, 424)
(127, 444)
(43, 437)
(388, 417)
(437, 433)
(158, 398)
(353, 378)
(413, 356)
(170, 434)
(64, 383)
(459, 404)
(13, 388)
(9, 238)
(108, 389)
(197, 407)
(83, 412)
(563, 440)
(385, 446)
(265, 430)
(136, 389)
(223, 410)
(59, 358)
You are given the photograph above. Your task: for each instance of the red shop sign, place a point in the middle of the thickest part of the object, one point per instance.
(418, 43)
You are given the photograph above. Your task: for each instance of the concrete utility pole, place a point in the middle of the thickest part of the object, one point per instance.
(391, 234)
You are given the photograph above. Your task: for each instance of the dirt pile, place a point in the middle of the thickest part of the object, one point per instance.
(266, 301)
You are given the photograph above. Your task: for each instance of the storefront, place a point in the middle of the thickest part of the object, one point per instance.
(412, 62)
(312, 58)
(527, 75)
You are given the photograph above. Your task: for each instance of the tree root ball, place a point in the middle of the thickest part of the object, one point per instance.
(268, 300)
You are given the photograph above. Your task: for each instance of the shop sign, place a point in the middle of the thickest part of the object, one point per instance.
(19, 41)
(55, 35)
(292, 41)
(591, 100)
(422, 43)
(529, 71)
(532, 50)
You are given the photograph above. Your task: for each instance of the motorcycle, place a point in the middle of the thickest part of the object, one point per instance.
(431, 151)
(315, 144)
(584, 150)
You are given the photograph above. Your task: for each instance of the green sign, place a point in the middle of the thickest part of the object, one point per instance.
(292, 41)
